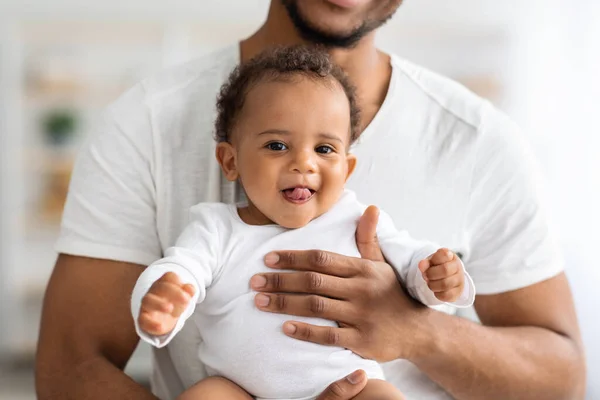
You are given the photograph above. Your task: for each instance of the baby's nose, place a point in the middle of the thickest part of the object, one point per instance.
(304, 162)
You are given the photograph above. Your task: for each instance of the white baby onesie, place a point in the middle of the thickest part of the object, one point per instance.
(218, 254)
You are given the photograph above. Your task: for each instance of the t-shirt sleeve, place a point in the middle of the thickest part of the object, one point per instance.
(511, 243)
(110, 211)
(404, 253)
(194, 259)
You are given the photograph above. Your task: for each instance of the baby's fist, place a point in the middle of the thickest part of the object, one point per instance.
(164, 303)
(444, 275)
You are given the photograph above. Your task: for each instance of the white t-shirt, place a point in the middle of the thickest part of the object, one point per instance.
(442, 162)
(218, 253)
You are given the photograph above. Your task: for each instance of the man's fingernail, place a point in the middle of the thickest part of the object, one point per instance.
(355, 377)
(289, 328)
(450, 254)
(262, 300)
(258, 281)
(271, 259)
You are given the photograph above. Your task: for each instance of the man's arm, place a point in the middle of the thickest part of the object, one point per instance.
(87, 334)
(528, 348)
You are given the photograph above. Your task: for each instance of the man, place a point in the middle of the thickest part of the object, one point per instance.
(430, 152)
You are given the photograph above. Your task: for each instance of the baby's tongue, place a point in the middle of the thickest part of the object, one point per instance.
(297, 193)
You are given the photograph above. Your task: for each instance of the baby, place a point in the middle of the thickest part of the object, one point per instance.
(286, 121)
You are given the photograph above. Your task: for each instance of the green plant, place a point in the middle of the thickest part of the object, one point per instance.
(59, 126)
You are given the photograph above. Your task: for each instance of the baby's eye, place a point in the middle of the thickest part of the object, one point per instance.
(276, 146)
(324, 149)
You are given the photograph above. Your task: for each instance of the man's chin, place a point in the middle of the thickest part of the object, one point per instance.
(312, 32)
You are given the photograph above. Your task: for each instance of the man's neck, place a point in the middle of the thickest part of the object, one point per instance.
(368, 68)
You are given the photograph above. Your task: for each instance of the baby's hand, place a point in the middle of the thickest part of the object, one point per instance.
(164, 303)
(444, 275)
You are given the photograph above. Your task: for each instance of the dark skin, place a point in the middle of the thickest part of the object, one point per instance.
(528, 346)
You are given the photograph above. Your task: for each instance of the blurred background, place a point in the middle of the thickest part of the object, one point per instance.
(63, 61)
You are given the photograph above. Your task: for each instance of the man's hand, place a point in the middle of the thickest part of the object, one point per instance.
(444, 275)
(164, 303)
(346, 388)
(377, 319)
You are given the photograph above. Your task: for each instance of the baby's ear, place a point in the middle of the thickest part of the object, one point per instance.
(226, 157)
(351, 160)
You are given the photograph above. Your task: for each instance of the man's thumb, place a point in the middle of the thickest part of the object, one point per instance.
(346, 388)
(366, 235)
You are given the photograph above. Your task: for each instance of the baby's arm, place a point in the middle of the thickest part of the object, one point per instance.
(167, 291)
(431, 275)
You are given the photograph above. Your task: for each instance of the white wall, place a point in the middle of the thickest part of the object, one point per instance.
(558, 104)
(9, 188)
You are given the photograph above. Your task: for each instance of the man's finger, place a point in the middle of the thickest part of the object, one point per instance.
(324, 335)
(442, 271)
(315, 260)
(346, 388)
(366, 235)
(302, 282)
(442, 256)
(305, 306)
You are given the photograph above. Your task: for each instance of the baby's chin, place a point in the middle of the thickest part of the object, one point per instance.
(294, 221)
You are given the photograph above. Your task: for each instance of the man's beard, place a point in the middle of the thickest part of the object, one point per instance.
(317, 36)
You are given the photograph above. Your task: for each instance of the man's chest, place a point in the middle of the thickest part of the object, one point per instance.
(426, 191)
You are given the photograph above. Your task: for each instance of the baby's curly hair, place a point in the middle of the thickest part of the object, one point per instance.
(280, 63)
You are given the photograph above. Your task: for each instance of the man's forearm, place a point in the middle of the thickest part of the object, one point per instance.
(472, 361)
(94, 379)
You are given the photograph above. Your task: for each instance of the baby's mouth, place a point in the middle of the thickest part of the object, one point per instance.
(298, 195)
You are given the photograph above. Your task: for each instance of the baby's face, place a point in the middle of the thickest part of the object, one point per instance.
(289, 150)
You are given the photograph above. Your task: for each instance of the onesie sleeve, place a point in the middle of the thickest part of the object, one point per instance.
(194, 258)
(404, 254)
